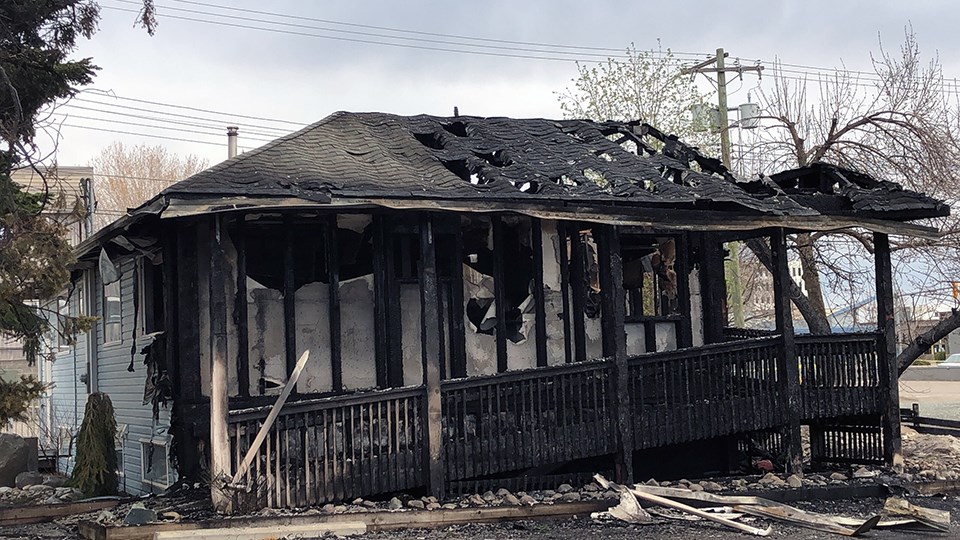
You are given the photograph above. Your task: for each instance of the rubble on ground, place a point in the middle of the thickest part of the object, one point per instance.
(38, 494)
(930, 457)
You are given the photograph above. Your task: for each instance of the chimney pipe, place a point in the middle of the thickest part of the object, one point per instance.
(232, 132)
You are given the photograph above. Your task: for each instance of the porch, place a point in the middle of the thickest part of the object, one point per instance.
(516, 428)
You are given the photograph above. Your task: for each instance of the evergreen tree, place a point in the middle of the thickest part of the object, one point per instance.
(95, 472)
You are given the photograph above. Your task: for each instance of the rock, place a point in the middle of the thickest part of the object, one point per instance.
(609, 494)
(864, 472)
(55, 481)
(5, 489)
(357, 501)
(62, 491)
(511, 499)
(771, 479)
(395, 504)
(51, 500)
(28, 478)
(339, 509)
(695, 487)
(794, 481)
(738, 483)
(450, 506)
(503, 492)
(570, 496)
(433, 506)
(14, 458)
(415, 503)
(476, 500)
(564, 488)
(489, 496)
(839, 477)
(37, 487)
(327, 508)
(683, 482)
(652, 482)
(429, 499)
(527, 500)
(665, 483)
(139, 515)
(707, 485)
(591, 488)
(369, 504)
(547, 493)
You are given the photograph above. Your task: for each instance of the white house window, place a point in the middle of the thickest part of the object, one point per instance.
(155, 466)
(111, 312)
(63, 311)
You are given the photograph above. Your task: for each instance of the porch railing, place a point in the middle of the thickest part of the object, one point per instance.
(839, 375)
(375, 442)
(334, 448)
(704, 392)
(523, 419)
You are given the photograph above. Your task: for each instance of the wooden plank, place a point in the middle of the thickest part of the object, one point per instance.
(332, 245)
(458, 342)
(613, 305)
(430, 345)
(313, 530)
(565, 290)
(375, 521)
(500, 290)
(936, 519)
(240, 308)
(394, 314)
(271, 417)
(43, 513)
(887, 353)
(789, 370)
(536, 242)
(289, 295)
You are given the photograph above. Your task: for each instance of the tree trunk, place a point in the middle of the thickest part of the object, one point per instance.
(811, 274)
(816, 319)
(922, 343)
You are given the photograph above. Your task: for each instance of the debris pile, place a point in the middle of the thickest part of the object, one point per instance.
(37, 494)
(930, 457)
(730, 511)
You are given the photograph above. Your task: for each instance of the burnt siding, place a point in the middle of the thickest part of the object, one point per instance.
(125, 388)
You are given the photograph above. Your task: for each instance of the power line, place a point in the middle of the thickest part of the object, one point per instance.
(178, 129)
(366, 41)
(141, 134)
(217, 129)
(233, 115)
(176, 115)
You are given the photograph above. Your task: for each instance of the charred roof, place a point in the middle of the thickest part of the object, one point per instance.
(467, 159)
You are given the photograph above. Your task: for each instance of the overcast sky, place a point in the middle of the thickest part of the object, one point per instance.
(301, 78)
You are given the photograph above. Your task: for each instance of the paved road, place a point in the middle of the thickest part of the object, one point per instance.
(937, 390)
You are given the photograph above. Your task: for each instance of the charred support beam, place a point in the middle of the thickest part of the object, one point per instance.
(682, 268)
(887, 349)
(240, 308)
(787, 357)
(333, 279)
(578, 283)
(536, 242)
(430, 345)
(713, 288)
(219, 407)
(565, 290)
(613, 306)
(458, 341)
(289, 296)
(389, 359)
(500, 291)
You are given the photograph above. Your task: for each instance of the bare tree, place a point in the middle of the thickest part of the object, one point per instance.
(126, 176)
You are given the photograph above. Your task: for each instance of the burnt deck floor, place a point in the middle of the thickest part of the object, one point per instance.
(522, 423)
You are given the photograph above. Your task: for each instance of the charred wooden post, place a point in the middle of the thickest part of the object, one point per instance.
(887, 353)
(389, 359)
(565, 290)
(458, 339)
(500, 291)
(240, 308)
(186, 375)
(289, 296)
(430, 343)
(333, 280)
(713, 289)
(613, 307)
(787, 354)
(219, 405)
(682, 269)
(578, 282)
(536, 242)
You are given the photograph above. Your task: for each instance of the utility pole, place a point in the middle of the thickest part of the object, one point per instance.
(732, 266)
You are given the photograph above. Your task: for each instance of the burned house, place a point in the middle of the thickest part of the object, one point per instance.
(485, 302)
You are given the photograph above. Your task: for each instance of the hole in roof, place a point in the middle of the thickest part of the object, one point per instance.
(497, 159)
(458, 167)
(430, 140)
(457, 128)
(597, 178)
(604, 155)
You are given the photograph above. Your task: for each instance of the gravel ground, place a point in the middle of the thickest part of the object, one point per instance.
(586, 529)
